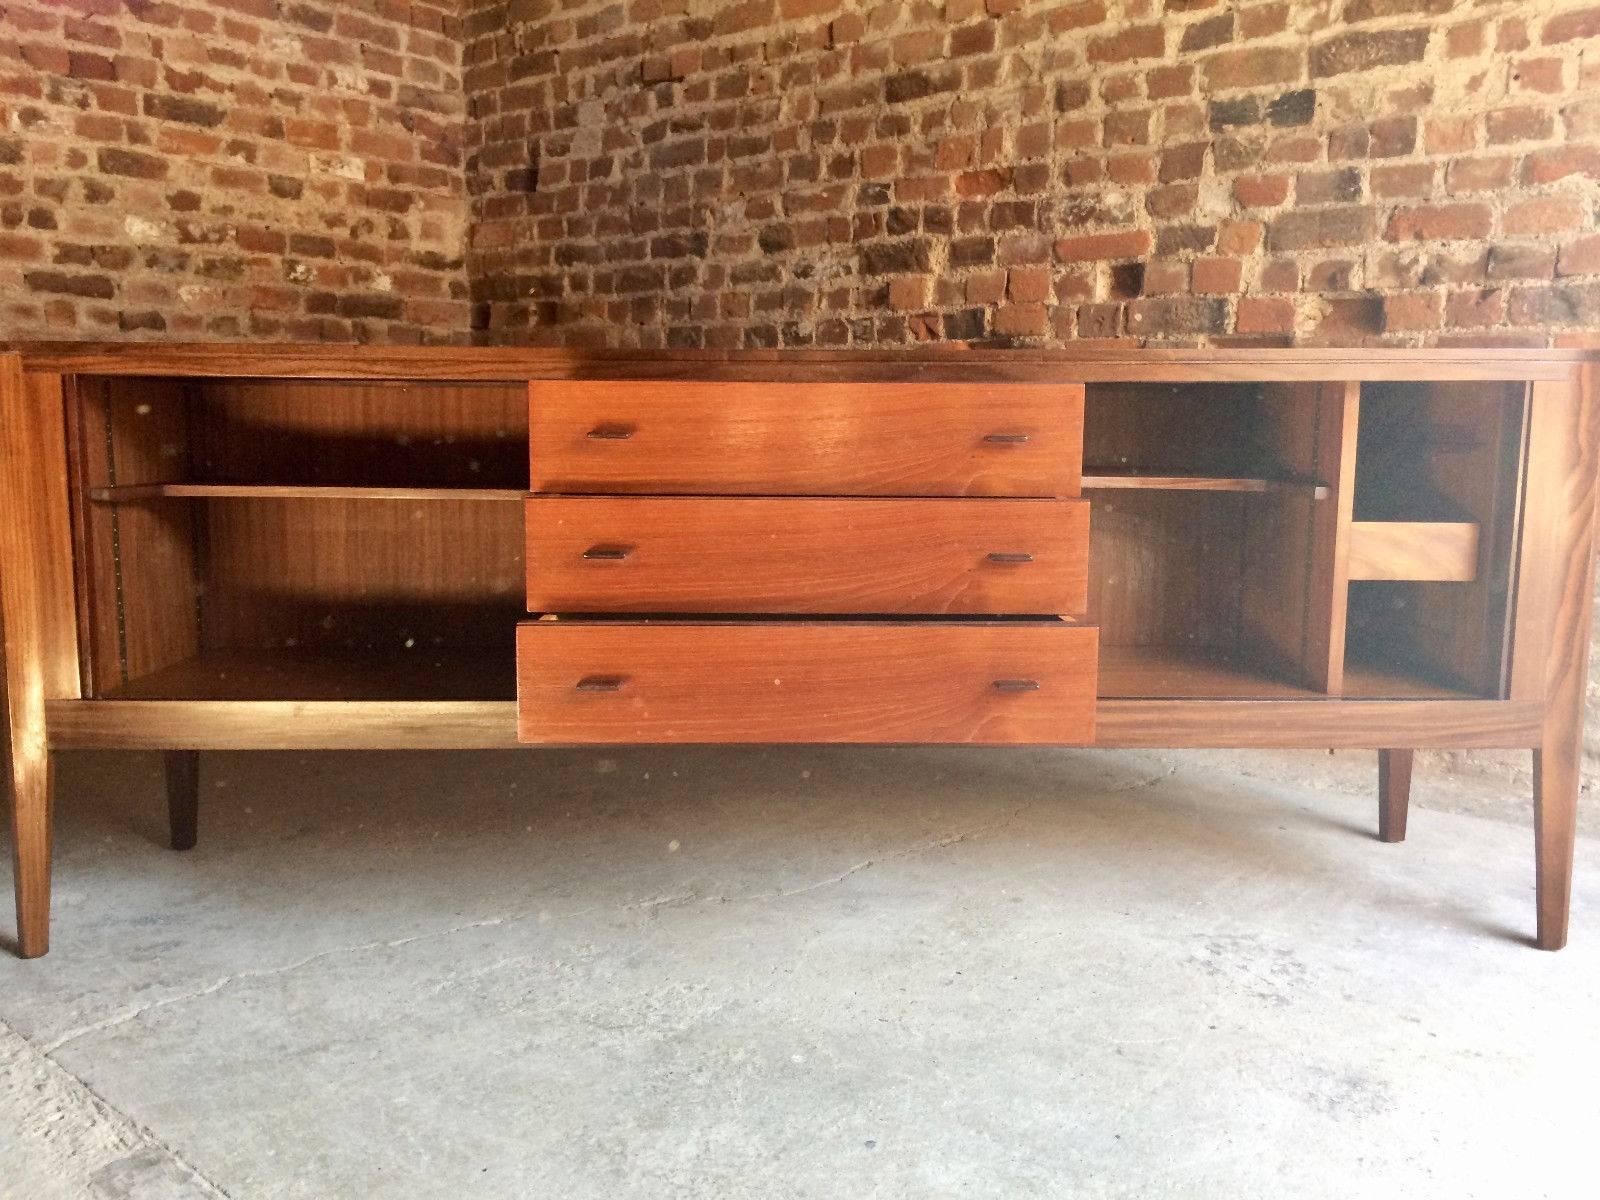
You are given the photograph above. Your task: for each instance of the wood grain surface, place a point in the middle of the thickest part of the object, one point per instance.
(31, 469)
(710, 554)
(918, 682)
(807, 439)
(1437, 551)
(516, 364)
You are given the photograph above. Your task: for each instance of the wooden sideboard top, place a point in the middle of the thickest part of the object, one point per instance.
(1086, 364)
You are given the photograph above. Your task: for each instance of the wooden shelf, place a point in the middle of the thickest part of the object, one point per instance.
(391, 673)
(262, 491)
(1187, 673)
(135, 493)
(1369, 676)
(1414, 551)
(1117, 480)
(1191, 673)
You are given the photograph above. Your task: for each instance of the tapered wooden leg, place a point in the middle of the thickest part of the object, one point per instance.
(25, 479)
(183, 797)
(1394, 794)
(30, 842)
(1555, 823)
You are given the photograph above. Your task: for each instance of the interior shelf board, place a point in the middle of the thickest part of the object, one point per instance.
(1370, 677)
(1191, 673)
(389, 673)
(1202, 673)
(1129, 480)
(261, 491)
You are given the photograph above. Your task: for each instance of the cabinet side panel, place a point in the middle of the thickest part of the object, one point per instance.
(1553, 520)
(46, 468)
(138, 570)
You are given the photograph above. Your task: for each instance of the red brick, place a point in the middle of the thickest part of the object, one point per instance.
(1029, 285)
(986, 287)
(1217, 276)
(1475, 309)
(1439, 222)
(1280, 275)
(1547, 166)
(1450, 135)
(1367, 49)
(1130, 243)
(1022, 320)
(1581, 257)
(794, 10)
(1508, 125)
(1132, 42)
(981, 183)
(1569, 26)
(1261, 191)
(1543, 215)
(1412, 311)
(1239, 237)
(909, 291)
(1068, 17)
(1479, 174)
(1255, 67)
(1403, 179)
(1165, 278)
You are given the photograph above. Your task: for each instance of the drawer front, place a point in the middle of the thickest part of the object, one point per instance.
(812, 439)
(1002, 683)
(697, 554)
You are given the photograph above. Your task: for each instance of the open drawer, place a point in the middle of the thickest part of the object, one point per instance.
(998, 682)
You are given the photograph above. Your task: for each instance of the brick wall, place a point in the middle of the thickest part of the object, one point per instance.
(190, 169)
(821, 172)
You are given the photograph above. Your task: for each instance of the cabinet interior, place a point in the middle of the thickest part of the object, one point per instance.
(256, 539)
(300, 540)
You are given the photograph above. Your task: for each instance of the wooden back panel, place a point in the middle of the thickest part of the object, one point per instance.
(361, 574)
(352, 434)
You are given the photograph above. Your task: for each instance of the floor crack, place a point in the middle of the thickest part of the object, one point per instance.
(140, 1133)
(136, 1012)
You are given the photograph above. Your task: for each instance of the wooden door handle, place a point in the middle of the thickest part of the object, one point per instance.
(607, 553)
(609, 432)
(1004, 556)
(1016, 685)
(601, 683)
(1006, 439)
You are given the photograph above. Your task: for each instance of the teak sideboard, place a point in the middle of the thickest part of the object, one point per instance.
(207, 547)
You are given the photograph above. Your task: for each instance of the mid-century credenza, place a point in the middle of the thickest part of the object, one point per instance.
(207, 547)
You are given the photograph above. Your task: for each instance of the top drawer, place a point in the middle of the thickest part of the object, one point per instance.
(807, 439)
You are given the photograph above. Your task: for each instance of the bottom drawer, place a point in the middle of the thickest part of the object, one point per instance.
(983, 682)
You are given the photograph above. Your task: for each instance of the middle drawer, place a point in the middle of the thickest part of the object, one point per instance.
(713, 554)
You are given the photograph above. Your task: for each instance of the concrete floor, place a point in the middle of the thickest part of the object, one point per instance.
(794, 973)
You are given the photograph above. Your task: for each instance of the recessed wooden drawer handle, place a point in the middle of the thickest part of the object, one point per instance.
(1000, 556)
(602, 683)
(607, 553)
(1016, 685)
(1006, 439)
(611, 433)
